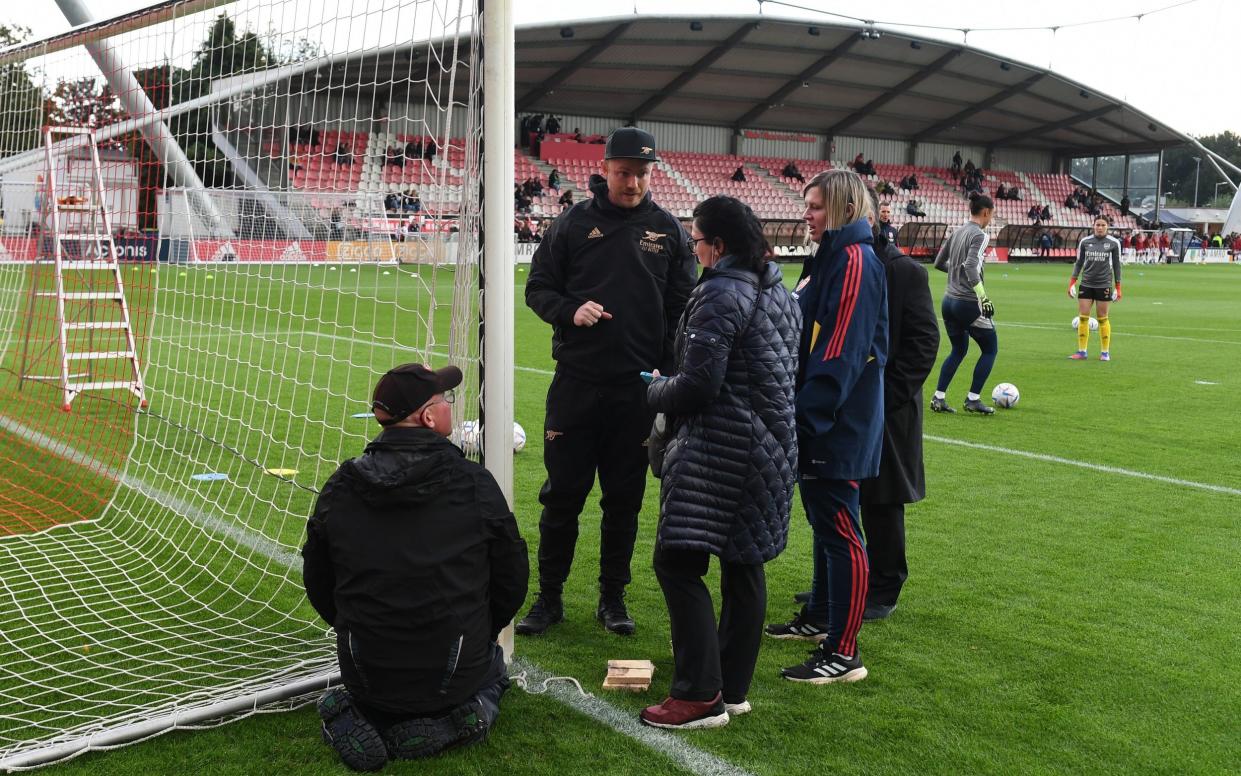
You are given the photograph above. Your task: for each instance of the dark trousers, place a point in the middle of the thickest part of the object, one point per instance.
(592, 427)
(841, 570)
(708, 659)
(959, 315)
(884, 525)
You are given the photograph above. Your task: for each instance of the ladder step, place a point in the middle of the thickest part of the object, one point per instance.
(95, 325)
(84, 295)
(94, 264)
(99, 355)
(101, 385)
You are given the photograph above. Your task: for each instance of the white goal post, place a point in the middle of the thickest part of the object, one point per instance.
(317, 190)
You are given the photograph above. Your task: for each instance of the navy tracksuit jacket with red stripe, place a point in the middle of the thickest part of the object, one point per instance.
(844, 346)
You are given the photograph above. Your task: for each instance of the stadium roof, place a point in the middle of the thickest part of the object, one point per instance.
(766, 73)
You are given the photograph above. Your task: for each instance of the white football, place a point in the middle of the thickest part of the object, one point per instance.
(1005, 395)
(469, 437)
(1094, 323)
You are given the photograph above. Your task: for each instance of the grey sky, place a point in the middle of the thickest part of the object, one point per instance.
(1175, 65)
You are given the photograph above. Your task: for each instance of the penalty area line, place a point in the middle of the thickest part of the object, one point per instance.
(1098, 467)
(675, 748)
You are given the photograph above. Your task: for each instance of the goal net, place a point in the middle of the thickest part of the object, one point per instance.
(293, 195)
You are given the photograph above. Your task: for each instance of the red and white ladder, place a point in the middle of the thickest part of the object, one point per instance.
(75, 216)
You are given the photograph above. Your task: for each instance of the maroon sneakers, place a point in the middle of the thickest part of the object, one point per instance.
(687, 715)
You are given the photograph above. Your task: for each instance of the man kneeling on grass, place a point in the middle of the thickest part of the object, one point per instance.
(413, 556)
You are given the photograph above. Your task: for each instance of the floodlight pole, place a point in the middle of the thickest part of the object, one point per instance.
(135, 102)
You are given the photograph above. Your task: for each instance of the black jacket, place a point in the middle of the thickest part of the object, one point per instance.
(913, 342)
(634, 262)
(729, 472)
(413, 556)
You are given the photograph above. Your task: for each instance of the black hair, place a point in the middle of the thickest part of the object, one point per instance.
(731, 221)
(979, 203)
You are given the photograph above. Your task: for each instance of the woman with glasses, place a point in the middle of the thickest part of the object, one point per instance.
(729, 468)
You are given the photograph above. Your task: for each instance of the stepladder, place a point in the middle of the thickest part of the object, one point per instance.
(78, 326)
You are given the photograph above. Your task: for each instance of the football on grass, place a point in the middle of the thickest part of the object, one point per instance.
(1005, 395)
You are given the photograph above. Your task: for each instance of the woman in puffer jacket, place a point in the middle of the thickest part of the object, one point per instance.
(730, 466)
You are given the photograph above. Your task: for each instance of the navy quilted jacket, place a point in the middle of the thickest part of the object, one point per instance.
(729, 471)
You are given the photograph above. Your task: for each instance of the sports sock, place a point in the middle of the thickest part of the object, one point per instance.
(1083, 332)
(973, 396)
(940, 395)
(1105, 333)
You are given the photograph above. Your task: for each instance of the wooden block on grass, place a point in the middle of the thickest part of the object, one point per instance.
(631, 675)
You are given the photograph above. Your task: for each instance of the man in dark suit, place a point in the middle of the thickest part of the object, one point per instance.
(913, 343)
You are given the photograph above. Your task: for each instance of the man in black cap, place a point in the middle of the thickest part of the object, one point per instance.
(413, 556)
(611, 276)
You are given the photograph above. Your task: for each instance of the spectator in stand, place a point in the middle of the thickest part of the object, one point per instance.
(295, 164)
(336, 224)
(858, 162)
(913, 182)
(1034, 214)
(1045, 213)
(969, 167)
(790, 171)
(596, 180)
(553, 180)
(393, 157)
(1124, 206)
(1001, 192)
(342, 155)
(956, 164)
(521, 200)
(1071, 202)
(553, 125)
(868, 168)
(1044, 245)
(577, 135)
(413, 149)
(524, 232)
(566, 200)
(739, 174)
(914, 209)
(1014, 193)
(392, 202)
(430, 149)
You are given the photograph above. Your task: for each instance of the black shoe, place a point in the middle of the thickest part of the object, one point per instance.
(823, 668)
(800, 627)
(353, 737)
(413, 739)
(614, 616)
(976, 405)
(546, 612)
(802, 597)
(941, 405)
(877, 612)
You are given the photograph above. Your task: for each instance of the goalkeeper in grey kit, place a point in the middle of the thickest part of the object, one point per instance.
(966, 309)
(1098, 268)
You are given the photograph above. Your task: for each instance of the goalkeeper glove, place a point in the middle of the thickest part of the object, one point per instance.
(988, 309)
(1073, 288)
(1116, 294)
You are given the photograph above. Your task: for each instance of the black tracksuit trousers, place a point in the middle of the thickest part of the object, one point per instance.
(592, 427)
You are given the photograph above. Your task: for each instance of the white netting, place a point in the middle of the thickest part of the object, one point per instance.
(148, 558)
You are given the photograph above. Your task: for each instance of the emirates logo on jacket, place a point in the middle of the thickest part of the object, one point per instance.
(652, 242)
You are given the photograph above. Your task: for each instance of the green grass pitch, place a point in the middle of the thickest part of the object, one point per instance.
(1057, 619)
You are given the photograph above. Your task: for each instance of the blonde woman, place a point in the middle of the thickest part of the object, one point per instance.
(839, 411)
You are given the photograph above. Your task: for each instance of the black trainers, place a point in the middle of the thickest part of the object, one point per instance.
(877, 612)
(614, 616)
(941, 405)
(823, 668)
(976, 405)
(353, 737)
(413, 739)
(800, 627)
(546, 612)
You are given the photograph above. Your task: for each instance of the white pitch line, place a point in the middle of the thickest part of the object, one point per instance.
(626, 723)
(258, 544)
(1087, 465)
(1050, 327)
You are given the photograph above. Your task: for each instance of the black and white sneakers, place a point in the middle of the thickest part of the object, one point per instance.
(800, 627)
(825, 668)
